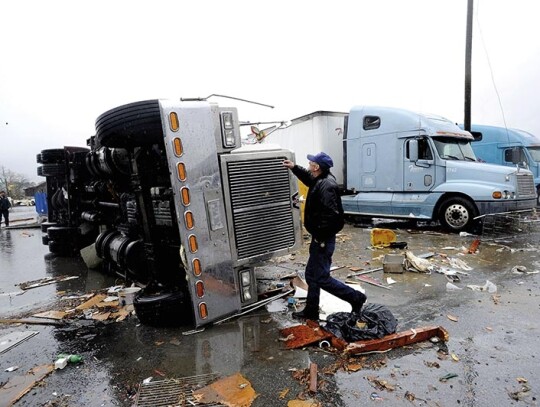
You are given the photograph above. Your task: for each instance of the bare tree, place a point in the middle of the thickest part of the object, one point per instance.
(13, 183)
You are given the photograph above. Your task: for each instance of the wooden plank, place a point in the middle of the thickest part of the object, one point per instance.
(18, 386)
(312, 377)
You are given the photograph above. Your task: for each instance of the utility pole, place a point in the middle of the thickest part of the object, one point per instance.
(468, 57)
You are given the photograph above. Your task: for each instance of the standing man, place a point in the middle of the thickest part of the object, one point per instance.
(4, 208)
(323, 219)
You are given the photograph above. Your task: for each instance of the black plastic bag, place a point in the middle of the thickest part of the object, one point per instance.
(379, 319)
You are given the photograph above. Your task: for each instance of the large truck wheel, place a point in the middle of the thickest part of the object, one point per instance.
(538, 195)
(132, 125)
(52, 156)
(457, 214)
(52, 170)
(163, 308)
(63, 233)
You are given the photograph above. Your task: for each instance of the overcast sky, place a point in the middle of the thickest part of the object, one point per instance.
(63, 63)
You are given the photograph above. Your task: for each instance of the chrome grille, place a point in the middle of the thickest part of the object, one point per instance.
(261, 206)
(525, 185)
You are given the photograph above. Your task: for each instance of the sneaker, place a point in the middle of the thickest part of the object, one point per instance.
(314, 316)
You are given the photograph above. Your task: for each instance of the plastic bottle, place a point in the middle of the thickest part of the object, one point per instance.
(70, 358)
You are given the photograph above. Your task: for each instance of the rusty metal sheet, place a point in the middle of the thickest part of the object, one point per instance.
(301, 335)
(394, 340)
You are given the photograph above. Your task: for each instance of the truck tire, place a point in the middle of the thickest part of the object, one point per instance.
(64, 249)
(457, 214)
(163, 308)
(53, 170)
(62, 233)
(52, 156)
(132, 125)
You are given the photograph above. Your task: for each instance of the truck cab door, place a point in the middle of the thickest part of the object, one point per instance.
(418, 165)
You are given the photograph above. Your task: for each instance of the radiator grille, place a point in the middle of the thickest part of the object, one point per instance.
(525, 185)
(261, 206)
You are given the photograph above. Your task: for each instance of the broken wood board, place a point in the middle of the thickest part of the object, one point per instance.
(51, 315)
(31, 322)
(391, 341)
(44, 281)
(368, 280)
(92, 302)
(233, 391)
(17, 386)
(302, 335)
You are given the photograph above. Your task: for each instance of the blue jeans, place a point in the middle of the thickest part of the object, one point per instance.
(318, 276)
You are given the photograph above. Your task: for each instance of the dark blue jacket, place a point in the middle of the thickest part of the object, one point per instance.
(323, 213)
(4, 204)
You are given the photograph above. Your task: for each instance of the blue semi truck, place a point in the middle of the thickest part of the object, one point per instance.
(510, 147)
(394, 163)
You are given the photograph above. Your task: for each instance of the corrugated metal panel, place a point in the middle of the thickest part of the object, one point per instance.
(261, 206)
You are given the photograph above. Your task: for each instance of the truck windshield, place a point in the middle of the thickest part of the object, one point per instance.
(453, 149)
(535, 153)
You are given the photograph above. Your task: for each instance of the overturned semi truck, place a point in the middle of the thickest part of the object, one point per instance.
(172, 201)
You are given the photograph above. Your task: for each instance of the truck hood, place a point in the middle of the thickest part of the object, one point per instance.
(456, 169)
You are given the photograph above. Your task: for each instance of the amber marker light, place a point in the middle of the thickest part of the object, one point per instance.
(497, 195)
(188, 218)
(203, 310)
(193, 247)
(184, 192)
(181, 168)
(199, 289)
(178, 147)
(173, 121)
(197, 268)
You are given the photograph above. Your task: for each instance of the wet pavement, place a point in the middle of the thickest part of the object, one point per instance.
(494, 337)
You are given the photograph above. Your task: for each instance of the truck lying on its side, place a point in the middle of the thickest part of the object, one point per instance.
(172, 201)
(511, 147)
(393, 163)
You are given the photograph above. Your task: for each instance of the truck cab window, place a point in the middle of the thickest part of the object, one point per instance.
(515, 155)
(452, 149)
(372, 122)
(424, 150)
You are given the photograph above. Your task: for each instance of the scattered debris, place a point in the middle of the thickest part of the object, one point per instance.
(452, 318)
(382, 237)
(448, 376)
(301, 335)
(368, 280)
(489, 287)
(417, 263)
(163, 393)
(232, 391)
(44, 281)
(313, 377)
(17, 386)
(13, 339)
(473, 248)
(452, 287)
(11, 369)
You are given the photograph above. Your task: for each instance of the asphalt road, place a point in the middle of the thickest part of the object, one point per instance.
(492, 350)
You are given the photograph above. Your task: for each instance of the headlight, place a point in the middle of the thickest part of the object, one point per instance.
(246, 293)
(246, 278)
(228, 129)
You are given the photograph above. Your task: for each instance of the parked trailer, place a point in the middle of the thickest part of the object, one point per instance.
(394, 163)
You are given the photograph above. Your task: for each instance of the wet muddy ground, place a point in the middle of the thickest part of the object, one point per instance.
(492, 350)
